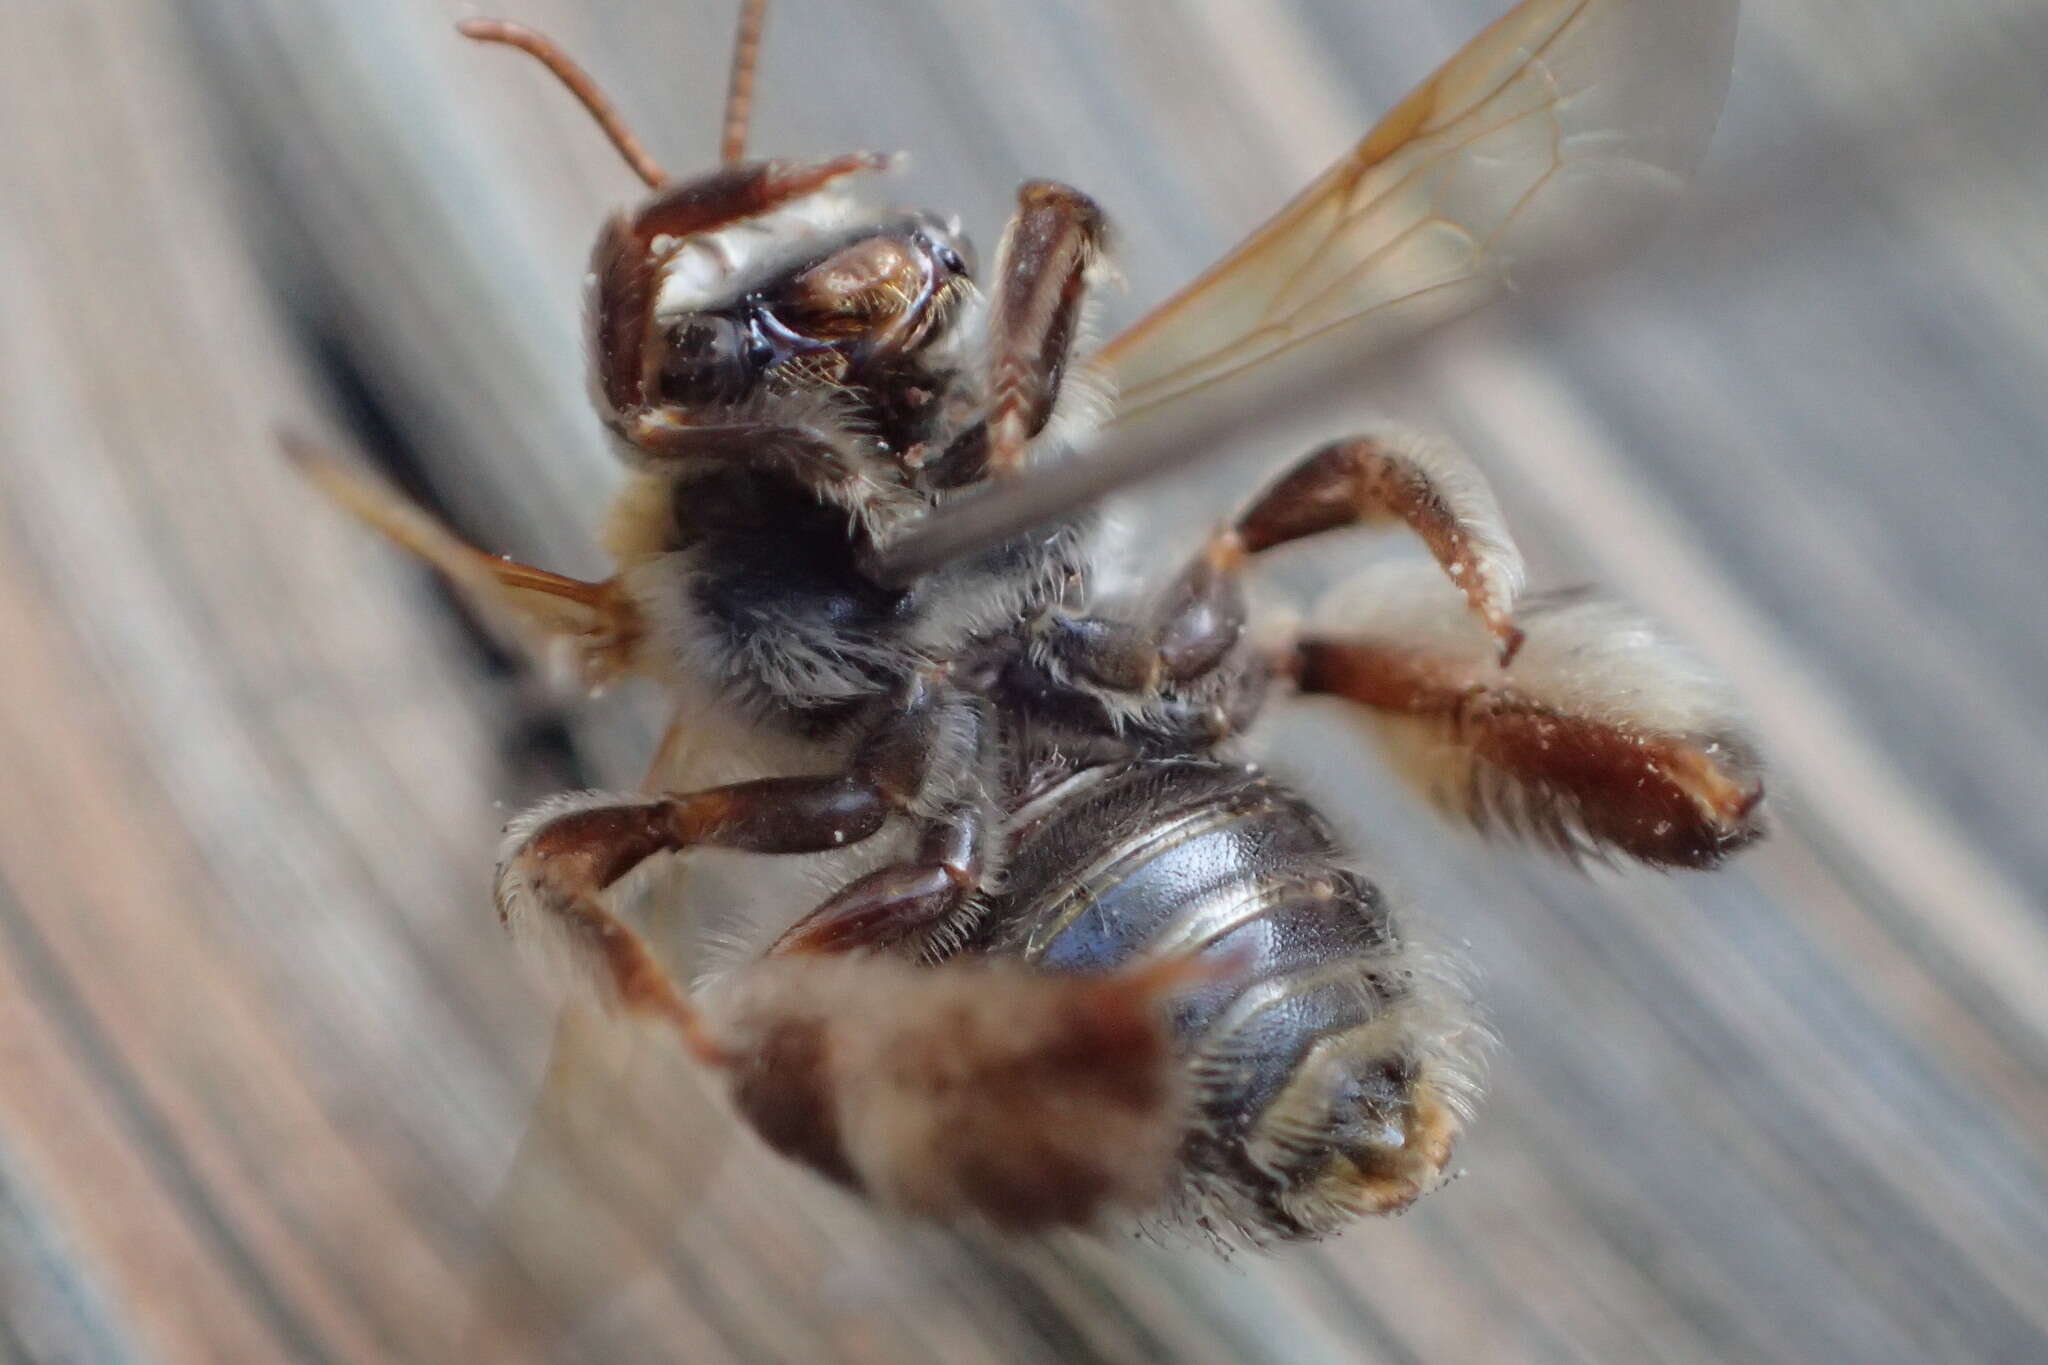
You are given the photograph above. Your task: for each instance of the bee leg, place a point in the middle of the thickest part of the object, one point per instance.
(1435, 492)
(908, 905)
(944, 750)
(1604, 738)
(595, 625)
(978, 1090)
(1186, 635)
(553, 883)
(626, 264)
(1042, 273)
(1176, 668)
(1365, 481)
(557, 877)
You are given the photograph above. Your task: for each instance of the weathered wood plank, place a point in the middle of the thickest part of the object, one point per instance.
(262, 1056)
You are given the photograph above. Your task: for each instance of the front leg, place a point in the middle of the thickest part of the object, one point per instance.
(1050, 249)
(625, 268)
(1052, 243)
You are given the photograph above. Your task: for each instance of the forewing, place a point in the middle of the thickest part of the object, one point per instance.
(622, 1140)
(624, 1137)
(1549, 140)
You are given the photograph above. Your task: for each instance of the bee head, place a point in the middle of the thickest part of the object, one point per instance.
(866, 305)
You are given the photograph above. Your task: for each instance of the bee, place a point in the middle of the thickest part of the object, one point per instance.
(1087, 961)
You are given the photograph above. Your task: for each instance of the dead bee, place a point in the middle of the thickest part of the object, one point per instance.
(1097, 963)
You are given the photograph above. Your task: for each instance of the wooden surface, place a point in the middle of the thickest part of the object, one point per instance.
(263, 1057)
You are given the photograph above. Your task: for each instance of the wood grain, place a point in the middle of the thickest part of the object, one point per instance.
(263, 1058)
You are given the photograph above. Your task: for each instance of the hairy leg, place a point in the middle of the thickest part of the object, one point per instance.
(626, 264)
(912, 904)
(1041, 282)
(1604, 738)
(1043, 267)
(557, 880)
(1192, 629)
(593, 628)
(1396, 478)
(974, 1089)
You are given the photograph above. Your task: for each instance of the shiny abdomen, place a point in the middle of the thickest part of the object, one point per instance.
(1322, 1059)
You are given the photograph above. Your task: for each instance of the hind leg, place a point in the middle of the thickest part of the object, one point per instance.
(972, 1089)
(1604, 737)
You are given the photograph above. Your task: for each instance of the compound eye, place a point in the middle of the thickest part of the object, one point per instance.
(707, 356)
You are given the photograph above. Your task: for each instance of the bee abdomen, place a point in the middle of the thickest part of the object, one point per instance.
(1331, 1063)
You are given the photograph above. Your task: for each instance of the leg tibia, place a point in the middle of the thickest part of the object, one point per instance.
(1435, 492)
(1041, 281)
(1602, 738)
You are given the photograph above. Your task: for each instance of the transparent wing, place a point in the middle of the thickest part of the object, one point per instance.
(1551, 138)
(621, 1143)
(625, 1137)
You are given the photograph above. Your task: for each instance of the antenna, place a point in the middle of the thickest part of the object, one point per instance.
(543, 49)
(739, 94)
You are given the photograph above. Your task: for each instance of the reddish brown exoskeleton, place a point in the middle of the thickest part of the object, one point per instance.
(1095, 962)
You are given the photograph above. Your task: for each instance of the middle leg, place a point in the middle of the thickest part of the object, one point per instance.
(1182, 644)
(562, 868)
(1397, 477)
